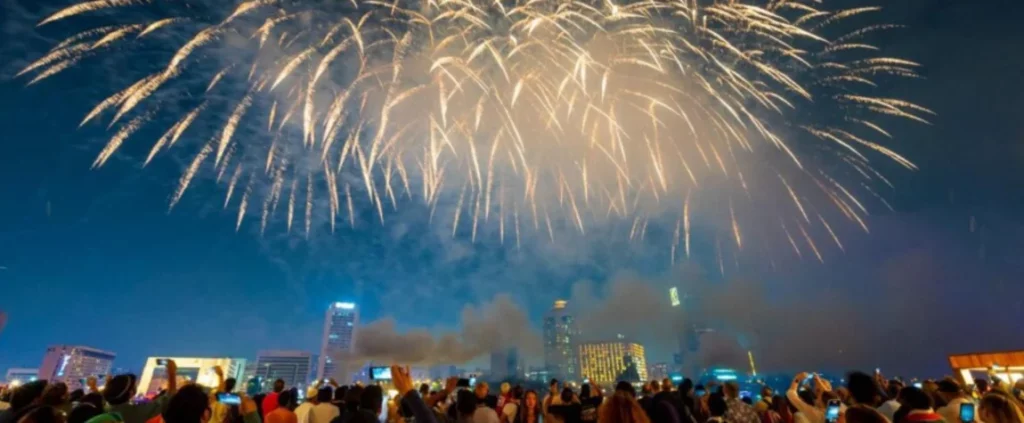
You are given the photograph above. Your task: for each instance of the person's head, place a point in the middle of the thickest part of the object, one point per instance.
(731, 390)
(325, 394)
(949, 389)
(481, 389)
(93, 398)
(628, 388)
(892, 391)
(655, 386)
(981, 385)
(353, 396)
(747, 400)
(585, 391)
(780, 405)
(916, 399)
(505, 388)
(863, 388)
(462, 383)
(645, 389)
(230, 384)
(864, 414)
(666, 385)
(622, 407)
(553, 385)
(285, 398)
(700, 388)
(76, 395)
(40, 414)
(189, 405)
(279, 385)
(686, 387)
(930, 385)
(716, 405)
(766, 391)
(83, 412)
(120, 389)
(55, 394)
(517, 392)
(530, 399)
(806, 396)
(311, 395)
(424, 390)
(372, 399)
(999, 407)
(566, 395)
(465, 403)
(27, 394)
(339, 394)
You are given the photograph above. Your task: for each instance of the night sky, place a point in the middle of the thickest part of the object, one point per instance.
(93, 257)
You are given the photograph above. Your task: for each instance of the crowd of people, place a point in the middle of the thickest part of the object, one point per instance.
(809, 399)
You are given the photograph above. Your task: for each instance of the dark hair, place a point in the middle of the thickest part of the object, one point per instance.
(916, 399)
(553, 382)
(626, 387)
(893, 390)
(566, 395)
(585, 391)
(462, 383)
(371, 398)
(981, 384)
(229, 384)
(864, 414)
(465, 401)
(279, 385)
(863, 388)
(187, 405)
(53, 395)
(424, 390)
(76, 395)
(686, 386)
(325, 394)
(352, 397)
(284, 398)
(339, 394)
(747, 400)
(39, 414)
(93, 398)
(120, 389)
(517, 392)
(26, 394)
(716, 405)
(83, 412)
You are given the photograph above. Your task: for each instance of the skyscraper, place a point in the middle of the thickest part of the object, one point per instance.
(291, 366)
(505, 365)
(559, 343)
(339, 335)
(72, 363)
(608, 362)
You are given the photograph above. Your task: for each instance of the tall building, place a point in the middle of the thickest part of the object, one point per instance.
(19, 375)
(505, 365)
(291, 366)
(73, 363)
(339, 335)
(190, 369)
(608, 362)
(559, 343)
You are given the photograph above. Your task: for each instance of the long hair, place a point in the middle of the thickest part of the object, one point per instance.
(622, 408)
(1001, 408)
(521, 413)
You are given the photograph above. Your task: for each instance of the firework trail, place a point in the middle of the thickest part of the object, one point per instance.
(553, 113)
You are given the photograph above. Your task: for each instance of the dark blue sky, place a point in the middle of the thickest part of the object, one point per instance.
(93, 257)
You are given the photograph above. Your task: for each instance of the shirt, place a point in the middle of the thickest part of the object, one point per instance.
(323, 413)
(140, 413)
(738, 411)
(302, 412)
(485, 415)
(888, 409)
(951, 412)
(509, 411)
(281, 415)
(270, 403)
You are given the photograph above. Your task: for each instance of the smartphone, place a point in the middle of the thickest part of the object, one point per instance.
(380, 373)
(918, 385)
(161, 362)
(832, 411)
(967, 412)
(229, 399)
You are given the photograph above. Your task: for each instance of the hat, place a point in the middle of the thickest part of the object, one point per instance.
(311, 393)
(949, 386)
(120, 389)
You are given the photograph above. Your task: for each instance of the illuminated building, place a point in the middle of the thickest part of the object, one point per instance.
(190, 369)
(70, 364)
(559, 344)
(17, 376)
(606, 362)
(293, 367)
(339, 334)
(658, 371)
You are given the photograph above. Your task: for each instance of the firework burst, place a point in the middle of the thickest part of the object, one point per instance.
(530, 111)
